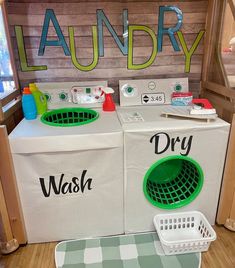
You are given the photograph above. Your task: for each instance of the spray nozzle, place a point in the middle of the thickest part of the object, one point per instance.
(107, 90)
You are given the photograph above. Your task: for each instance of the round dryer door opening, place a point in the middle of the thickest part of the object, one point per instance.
(173, 182)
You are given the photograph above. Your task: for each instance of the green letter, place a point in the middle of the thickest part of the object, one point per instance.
(188, 53)
(73, 50)
(146, 29)
(22, 53)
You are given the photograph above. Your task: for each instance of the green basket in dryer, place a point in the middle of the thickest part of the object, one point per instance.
(173, 182)
(69, 117)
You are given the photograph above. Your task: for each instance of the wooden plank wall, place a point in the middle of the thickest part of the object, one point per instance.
(113, 66)
(228, 33)
(228, 27)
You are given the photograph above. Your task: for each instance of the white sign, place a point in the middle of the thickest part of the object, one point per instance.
(153, 98)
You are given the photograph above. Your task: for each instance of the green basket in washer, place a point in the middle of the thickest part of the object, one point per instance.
(69, 117)
(173, 182)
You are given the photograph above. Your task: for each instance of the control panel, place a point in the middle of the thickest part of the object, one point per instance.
(150, 91)
(86, 95)
(67, 94)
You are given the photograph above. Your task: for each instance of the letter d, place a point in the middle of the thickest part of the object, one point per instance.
(160, 146)
(146, 29)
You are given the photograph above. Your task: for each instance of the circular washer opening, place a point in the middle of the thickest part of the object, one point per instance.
(173, 182)
(69, 117)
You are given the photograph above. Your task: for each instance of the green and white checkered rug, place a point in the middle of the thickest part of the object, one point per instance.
(125, 251)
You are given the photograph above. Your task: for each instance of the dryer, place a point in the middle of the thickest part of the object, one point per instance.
(169, 164)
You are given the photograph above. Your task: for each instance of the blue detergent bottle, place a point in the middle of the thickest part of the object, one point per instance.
(28, 105)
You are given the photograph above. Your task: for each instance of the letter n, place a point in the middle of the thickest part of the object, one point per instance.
(102, 18)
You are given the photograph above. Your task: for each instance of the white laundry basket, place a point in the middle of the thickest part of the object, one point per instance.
(184, 232)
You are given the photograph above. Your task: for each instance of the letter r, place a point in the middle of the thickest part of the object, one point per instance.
(169, 31)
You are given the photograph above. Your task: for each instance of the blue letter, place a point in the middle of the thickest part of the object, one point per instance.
(102, 18)
(50, 15)
(169, 31)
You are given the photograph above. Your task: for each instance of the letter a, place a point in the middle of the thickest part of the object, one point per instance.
(50, 16)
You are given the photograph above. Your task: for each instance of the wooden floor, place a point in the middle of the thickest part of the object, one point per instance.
(220, 255)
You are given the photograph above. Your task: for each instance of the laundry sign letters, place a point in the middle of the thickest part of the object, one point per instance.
(125, 43)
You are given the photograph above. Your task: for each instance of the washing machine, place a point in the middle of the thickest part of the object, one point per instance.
(70, 179)
(170, 164)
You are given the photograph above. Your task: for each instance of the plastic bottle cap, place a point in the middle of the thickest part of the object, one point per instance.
(32, 87)
(26, 91)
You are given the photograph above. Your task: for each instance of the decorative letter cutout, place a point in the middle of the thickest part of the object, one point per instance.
(22, 53)
(102, 18)
(73, 50)
(50, 15)
(146, 29)
(188, 53)
(169, 31)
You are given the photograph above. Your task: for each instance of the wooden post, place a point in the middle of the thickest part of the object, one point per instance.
(10, 190)
(209, 38)
(6, 233)
(8, 244)
(228, 187)
(1, 113)
(213, 69)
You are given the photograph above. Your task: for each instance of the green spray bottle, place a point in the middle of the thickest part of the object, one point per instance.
(39, 97)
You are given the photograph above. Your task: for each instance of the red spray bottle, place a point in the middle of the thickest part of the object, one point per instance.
(108, 104)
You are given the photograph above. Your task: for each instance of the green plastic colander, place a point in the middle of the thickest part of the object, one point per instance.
(69, 117)
(173, 182)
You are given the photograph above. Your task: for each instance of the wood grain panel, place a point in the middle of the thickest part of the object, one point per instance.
(99, 1)
(113, 66)
(86, 41)
(107, 73)
(84, 53)
(107, 63)
(31, 31)
(116, 7)
(89, 19)
(193, 78)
